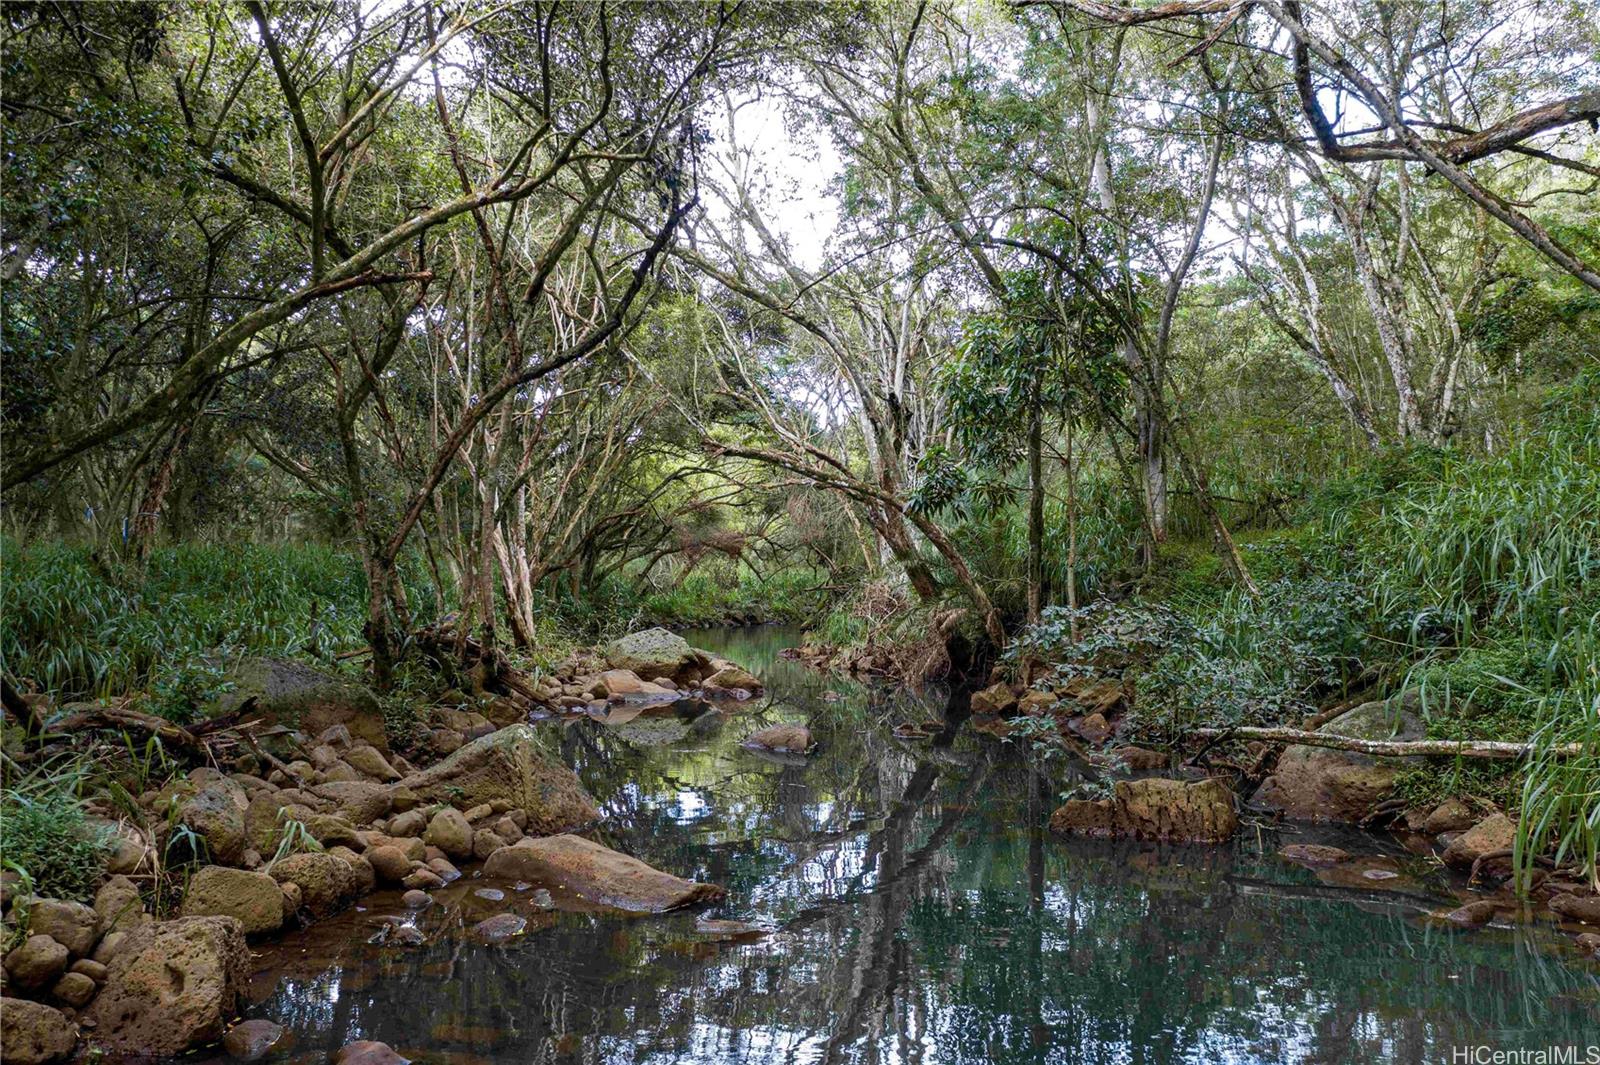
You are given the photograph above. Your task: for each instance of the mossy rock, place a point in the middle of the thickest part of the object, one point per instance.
(301, 697)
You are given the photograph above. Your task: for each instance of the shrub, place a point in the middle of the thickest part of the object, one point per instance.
(47, 839)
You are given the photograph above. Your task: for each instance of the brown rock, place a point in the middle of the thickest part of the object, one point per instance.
(1316, 784)
(174, 986)
(72, 924)
(365, 878)
(732, 676)
(90, 968)
(1034, 701)
(292, 898)
(369, 1052)
(300, 697)
(624, 683)
(450, 832)
(33, 1033)
(422, 878)
(215, 814)
(252, 899)
(995, 699)
(499, 928)
(1473, 914)
(509, 765)
(442, 868)
(253, 1040)
(360, 802)
(119, 906)
(73, 989)
(506, 828)
(599, 874)
(412, 847)
(1584, 909)
(1494, 833)
(793, 739)
(1154, 808)
(485, 842)
(1315, 855)
(1139, 759)
(1452, 815)
(371, 762)
(331, 830)
(416, 900)
(1093, 728)
(326, 883)
(37, 963)
(389, 864)
(410, 823)
(110, 944)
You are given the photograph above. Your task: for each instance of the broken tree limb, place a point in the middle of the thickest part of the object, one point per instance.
(1394, 748)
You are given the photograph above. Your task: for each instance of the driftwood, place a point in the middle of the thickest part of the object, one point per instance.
(25, 713)
(1394, 748)
(123, 719)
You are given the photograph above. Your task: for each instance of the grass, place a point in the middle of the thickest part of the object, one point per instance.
(48, 842)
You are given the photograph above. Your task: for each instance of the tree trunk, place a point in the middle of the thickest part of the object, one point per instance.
(1035, 512)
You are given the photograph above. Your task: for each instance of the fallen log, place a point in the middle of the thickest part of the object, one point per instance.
(120, 718)
(1394, 748)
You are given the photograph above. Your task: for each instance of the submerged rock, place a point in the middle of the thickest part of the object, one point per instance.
(1318, 784)
(1315, 855)
(368, 1052)
(1154, 808)
(253, 1040)
(792, 739)
(174, 986)
(500, 928)
(509, 766)
(599, 874)
(1473, 914)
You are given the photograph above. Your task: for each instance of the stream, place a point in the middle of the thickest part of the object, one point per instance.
(920, 913)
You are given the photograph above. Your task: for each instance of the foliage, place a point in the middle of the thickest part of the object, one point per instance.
(47, 838)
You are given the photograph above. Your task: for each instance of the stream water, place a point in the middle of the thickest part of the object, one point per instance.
(920, 914)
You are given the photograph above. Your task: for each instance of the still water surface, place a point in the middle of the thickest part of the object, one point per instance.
(920, 915)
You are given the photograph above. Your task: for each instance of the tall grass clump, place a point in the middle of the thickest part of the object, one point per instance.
(47, 840)
(72, 625)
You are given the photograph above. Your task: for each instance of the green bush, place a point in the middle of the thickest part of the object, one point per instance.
(45, 837)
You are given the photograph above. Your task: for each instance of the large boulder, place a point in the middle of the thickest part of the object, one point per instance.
(658, 653)
(1154, 808)
(300, 697)
(326, 882)
(253, 899)
(33, 1033)
(509, 766)
(599, 874)
(173, 986)
(1317, 784)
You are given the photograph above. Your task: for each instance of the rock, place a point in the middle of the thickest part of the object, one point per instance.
(1093, 728)
(1589, 943)
(1494, 833)
(300, 697)
(33, 1033)
(252, 899)
(657, 653)
(110, 945)
(995, 699)
(371, 762)
(499, 928)
(360, 802)
(37, 963)
(292, 898)
(507, 829)
(412, 847)
(215, 813)
(446, 740)
(1452, 815)
(252, 1040)
(368, 1052)
(1315, 855)
(622, 683)
(326, 883)
(265, 818)
(1584, 909)
(73, 989)
(341, 773)
(423, 878)
(509, 765)
(599, 874)
(331, 830)
(1473, 914)
(485, 842)
(90, 968)
(722, 929)
(442, 868)
(1316, 784)
(1154, 808)
(324, 757)
(72, 924)
(118, 906)
(729, 675)
(795, 739)
(416, 900)
(1034, 701)
(481, 812)
(1094, 695)
(449, 831)
(410, 823)
(174, 986)
(366, 878)
(389, 864)
(1139, 759)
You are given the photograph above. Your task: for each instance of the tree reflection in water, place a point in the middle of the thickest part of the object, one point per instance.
(922, 916)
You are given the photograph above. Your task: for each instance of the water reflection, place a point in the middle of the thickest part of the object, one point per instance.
(922, 916)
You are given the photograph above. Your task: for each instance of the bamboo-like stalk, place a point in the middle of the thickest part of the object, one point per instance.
(1393, 748)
